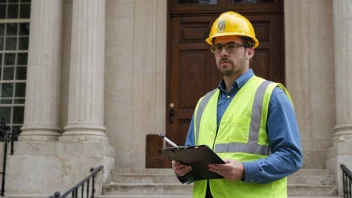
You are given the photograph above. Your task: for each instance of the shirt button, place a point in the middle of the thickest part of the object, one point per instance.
(228, 96)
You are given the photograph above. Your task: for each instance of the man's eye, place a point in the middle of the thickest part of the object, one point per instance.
(218, 47)
(231, 46)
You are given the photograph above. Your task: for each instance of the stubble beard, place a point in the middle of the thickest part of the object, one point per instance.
(229, 70)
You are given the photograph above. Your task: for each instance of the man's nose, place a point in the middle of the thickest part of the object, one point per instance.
(224, 51)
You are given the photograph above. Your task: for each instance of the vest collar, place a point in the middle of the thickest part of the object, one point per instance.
(238, 84)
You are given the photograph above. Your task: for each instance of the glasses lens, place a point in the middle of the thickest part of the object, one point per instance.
(231, 47)
(217, 48)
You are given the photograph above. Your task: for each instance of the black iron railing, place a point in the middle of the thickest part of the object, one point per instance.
(7, 137)
(83, 187)
(347, 181)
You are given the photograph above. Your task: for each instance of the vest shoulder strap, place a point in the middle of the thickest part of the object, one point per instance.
(200, 109)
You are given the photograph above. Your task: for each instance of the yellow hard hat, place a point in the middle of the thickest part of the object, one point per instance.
(232, 23)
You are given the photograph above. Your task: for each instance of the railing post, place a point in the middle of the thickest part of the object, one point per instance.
(4, 128)
(93, 181)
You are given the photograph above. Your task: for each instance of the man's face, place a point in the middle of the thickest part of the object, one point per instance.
(232, 61)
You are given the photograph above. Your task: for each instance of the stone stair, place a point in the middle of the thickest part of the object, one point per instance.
(162, 183)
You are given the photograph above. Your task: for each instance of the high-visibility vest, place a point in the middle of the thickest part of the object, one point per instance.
(241, 136)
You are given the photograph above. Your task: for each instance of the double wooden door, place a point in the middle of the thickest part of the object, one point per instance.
(191, 66)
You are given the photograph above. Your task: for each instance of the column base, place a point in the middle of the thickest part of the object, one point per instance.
(343, 132)
(42, 168)
(39, 134)
(339, 153)
(80, 132)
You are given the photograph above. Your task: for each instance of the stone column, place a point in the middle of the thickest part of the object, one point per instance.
(341, 151)
(343, 71)
(41, 117)
(86, 86)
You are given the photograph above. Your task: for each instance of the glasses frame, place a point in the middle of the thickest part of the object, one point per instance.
(212, 47)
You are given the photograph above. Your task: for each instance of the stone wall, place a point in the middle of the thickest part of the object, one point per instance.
(310, 74)
(135, 76)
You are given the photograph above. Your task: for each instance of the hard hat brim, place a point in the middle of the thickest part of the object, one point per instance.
(209, 40)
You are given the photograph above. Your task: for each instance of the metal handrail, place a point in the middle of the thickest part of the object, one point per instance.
(74, 190)
(346, 181)
(6, 138)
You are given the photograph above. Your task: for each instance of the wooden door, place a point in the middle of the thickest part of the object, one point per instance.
(192, 69)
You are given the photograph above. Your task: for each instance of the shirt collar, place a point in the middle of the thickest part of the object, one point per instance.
(239, 82)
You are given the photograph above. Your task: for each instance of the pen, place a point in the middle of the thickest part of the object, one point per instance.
(168, 141)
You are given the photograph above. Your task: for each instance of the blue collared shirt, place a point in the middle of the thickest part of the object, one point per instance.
(283, 135)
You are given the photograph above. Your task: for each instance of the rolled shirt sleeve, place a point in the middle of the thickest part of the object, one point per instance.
(284, 140)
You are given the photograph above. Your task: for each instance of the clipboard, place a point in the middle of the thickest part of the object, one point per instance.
(198, 157)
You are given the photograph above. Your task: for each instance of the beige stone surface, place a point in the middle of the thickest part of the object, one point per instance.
(343, 59)
(66, 57)
(135, 76)
(43, 168)
(310, 74)
(41, 116)
(86, 87)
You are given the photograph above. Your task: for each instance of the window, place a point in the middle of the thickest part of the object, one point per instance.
(14, 39)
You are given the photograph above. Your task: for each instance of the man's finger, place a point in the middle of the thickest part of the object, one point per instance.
(219, 166)
(183, 171)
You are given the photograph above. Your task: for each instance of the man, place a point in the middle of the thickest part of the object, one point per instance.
(255, 132)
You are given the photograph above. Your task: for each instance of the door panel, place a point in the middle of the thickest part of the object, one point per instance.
(191, 73)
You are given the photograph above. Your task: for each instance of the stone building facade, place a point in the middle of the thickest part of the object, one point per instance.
(96, 85)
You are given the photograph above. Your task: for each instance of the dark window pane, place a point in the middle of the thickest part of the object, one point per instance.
(8, 73)
(21, 73)
(22, 58)
(19, 101)
(23, 43)
(2, 43)
(6, 101)
(7, 90)
(6, 113)
(3, 1)
(2, 11)
(2, 29)
(13, 1)
(24, 29)
(18, 114)
(11, 29)
(25, 11)
(12, 11)
(0, 60)
(20, 90)
(28, 1)
(11, 43)
(212, 2)
(10, 59)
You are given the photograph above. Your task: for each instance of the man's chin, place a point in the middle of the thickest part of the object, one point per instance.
(227, 73)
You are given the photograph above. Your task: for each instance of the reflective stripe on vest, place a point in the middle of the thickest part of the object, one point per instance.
(252, 146)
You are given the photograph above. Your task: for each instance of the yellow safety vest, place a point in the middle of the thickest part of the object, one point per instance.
(241, 136)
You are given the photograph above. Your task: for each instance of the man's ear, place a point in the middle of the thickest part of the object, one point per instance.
(250, 53)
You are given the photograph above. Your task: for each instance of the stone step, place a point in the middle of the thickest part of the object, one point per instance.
(175, 196)
(177, 189)
(293, 179)
(304, 176)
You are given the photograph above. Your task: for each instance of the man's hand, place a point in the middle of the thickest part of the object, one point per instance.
(232, 170)
(180, 169)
